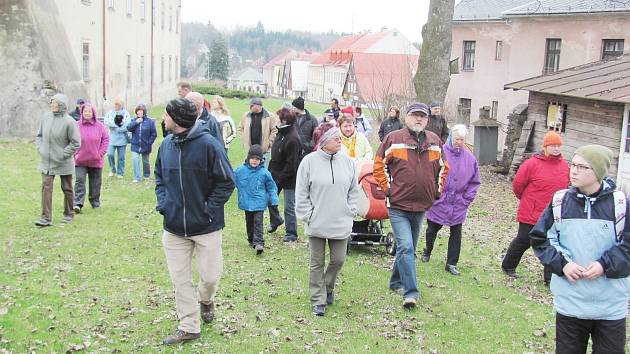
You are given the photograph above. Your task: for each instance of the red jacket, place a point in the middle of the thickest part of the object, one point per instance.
(535, 183)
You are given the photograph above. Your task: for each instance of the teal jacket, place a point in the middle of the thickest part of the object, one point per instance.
(586, 233)
(256, 188)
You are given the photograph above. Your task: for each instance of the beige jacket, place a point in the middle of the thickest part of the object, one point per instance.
(269, 130)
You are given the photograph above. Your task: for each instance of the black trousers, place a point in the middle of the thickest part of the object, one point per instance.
(572, 335)
(517, 247)
(454, 241)
(254, 225)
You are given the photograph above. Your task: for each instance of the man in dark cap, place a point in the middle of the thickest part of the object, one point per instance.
(258, 126)
(437, 122)
(76, 114)
(193, 180)
(416, 171)
(306, 125)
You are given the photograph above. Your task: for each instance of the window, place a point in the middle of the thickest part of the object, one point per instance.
(556, 116)
(163, 14)
(464, 110)
(498, 50)
(170, 19)
(162, 69)
(110, 4)
(153, 12)
(612, 48)
(552, 55)
(469, 56)
(142, 70)
(85, 61)
(86, 2)
(128, 70)
(143, 10)
(176, 67)
(494, 109)
(129, 7)
(177, 21)
(170, 68)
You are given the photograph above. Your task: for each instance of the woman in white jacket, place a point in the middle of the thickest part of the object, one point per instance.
(222, 114)
(326, 195)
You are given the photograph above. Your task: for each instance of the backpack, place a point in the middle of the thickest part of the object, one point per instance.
(620, 210)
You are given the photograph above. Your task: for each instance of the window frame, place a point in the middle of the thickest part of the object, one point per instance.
(615, 53)
(549, 52)
(468, 62)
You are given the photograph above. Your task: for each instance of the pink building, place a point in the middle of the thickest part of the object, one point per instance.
(498, 42)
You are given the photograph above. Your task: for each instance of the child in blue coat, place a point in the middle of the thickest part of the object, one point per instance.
(256, 188)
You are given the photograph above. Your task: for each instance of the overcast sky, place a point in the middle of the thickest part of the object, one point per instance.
(315, 16)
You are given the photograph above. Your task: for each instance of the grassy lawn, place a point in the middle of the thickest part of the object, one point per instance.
(100, 284)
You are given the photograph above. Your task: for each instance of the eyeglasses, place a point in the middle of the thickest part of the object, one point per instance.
(578, 167)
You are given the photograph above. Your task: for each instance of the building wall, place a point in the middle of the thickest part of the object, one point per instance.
(588, 122)
(334, 78)
(316, 84)
(522, 56)
(393, 43)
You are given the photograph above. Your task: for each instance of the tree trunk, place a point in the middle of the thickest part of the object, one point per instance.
(431, 80)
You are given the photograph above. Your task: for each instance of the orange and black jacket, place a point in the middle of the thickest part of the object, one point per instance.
(411, 169)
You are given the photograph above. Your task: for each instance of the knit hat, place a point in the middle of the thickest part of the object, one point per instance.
(255, 151)
(183, 112)
(598, 157)
(435, 103)
(552, 138)
(298, 103)
(348, 110)
(287, 105)
(255, 101)
(325, 132)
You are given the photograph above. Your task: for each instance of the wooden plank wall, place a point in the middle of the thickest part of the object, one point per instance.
(588, 122)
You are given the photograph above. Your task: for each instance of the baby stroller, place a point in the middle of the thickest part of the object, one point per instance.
(372, 210)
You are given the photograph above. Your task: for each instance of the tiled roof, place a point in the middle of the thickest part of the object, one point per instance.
(468, 10)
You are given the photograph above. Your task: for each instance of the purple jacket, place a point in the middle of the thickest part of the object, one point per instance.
(462, 183)
(94, 142)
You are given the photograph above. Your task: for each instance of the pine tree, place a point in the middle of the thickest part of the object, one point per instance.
(219, 60)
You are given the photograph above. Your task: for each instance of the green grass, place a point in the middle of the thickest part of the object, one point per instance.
(102, 281)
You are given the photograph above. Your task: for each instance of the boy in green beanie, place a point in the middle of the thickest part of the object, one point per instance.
(584, 238)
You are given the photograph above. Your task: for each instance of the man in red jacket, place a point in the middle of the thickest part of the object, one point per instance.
(534, 184)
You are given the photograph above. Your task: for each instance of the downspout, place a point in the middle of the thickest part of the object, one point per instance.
(152, 24)
(622, 148)
(104, 51)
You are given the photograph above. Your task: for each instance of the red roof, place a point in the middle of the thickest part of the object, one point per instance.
(290, 54)
(338, 52)
(381, 74)
(366, 41)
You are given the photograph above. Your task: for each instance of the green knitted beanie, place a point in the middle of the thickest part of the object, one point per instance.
(598, 157)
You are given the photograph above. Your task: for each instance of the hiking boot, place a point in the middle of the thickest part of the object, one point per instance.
(409, 303)
(425, 256)
(319, 310)
(259, 249)
(66, 219)
(77, 209)
(207, 312)
(43, 222)
(330, 298)
(180, 337)
(272, 228)
(452, 269)
(288, 238)
(510, 272)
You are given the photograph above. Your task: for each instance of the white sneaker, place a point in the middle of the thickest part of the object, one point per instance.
(119, 176)
(135, 181)
(111, 174)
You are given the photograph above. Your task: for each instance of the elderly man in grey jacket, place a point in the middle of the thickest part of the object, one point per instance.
(57, 141)
(326, 194)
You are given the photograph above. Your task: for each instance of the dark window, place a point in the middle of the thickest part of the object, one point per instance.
(494, 109)
(612, 48)
(128, 70)
(498, 50)
(142, 70)
(552, 55)
(85, 65)
(464, 110)
(469, 55)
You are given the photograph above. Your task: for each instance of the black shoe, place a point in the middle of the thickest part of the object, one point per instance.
(207, 312)
(510, 273)
(272, 228)
(259, 249)
(330, 298)
(180, 337)
(288, 238)
(425, 256)
(319, 310)
(452, 269)
(43, 222)
(77, 209)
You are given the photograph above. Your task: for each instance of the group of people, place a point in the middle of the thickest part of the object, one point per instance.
(569, 213)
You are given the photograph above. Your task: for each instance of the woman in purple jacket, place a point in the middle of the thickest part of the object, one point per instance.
(460, 189)
(88, 160)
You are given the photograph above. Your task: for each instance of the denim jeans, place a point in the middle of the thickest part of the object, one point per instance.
(146, 168)
(406, 226)
(120, 150)
(290, 222)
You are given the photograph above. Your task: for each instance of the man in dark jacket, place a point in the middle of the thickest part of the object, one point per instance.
(306, 125)
(193, 180)
(437, 122)
(285, 159)
(334, 108)
(391, 123)
(416, 174)
(76, 114)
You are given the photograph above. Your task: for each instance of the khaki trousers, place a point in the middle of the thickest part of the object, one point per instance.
(179, 255)
(47, 189)
(322, 282)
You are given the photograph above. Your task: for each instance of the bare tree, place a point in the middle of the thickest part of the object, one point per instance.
(432, 79)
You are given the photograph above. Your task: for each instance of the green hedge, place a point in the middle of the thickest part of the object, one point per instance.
(224, 92)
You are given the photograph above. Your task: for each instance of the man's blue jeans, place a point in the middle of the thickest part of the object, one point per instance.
(120, 151)
(406, 226)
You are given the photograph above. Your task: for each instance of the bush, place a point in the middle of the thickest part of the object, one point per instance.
(224, 92)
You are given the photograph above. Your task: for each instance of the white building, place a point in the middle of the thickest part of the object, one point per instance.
(249, 79)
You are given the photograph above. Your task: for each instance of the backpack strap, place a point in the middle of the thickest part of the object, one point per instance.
(620, 213)
(556, 205)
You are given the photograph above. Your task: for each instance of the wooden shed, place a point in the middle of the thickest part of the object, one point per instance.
(586, 104)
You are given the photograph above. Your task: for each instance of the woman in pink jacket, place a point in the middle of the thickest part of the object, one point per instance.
(88, 160)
